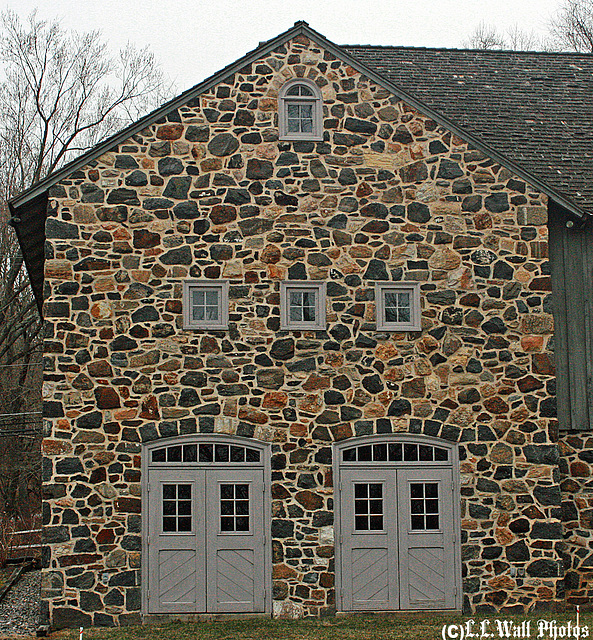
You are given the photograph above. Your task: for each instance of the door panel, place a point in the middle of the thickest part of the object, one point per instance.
(397, 542)
(206, 541)
(369, 544)
(426, 541)
(176, 566)
(235, 540)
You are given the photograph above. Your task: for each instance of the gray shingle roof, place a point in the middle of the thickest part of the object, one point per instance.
(534, 108)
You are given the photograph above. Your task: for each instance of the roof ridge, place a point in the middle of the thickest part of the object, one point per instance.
(581, 54)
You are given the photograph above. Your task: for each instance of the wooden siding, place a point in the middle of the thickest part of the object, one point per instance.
(571, 256)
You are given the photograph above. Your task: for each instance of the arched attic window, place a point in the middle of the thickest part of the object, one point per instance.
(300, 114)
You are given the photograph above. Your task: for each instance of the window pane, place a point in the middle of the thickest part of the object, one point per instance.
(307, 126)
(349, 455)
(184, 508)
(237, 454)
(184, 524)
(361, 506)
(221, 453)
(252, 455)
(242, 523)
(206, 453)
(160, 455)
(174, 454)
(226, 524)
(380, 452)
(306, 112)
(376, 523)
(395, 452)
(184, 491)
(425, 453)
(293, 125)
(190, 453)
(169, 508)
(417, 523)
(432, 522)
(365, 454)
(212, 297)
(242, 491)
(169, 524)
(169, 492)
(227, 491)
(294, 90)
(226, 508)
(361, 523)
(361, 490)
(441, 454)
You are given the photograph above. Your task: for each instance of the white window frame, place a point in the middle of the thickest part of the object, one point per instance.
(222, 287)
(413, 288)
(316, 103)
(319, 288)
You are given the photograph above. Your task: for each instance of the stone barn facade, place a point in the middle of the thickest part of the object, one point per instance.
(299, 352)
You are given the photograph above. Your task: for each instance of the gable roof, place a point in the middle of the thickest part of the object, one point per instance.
(506, 104)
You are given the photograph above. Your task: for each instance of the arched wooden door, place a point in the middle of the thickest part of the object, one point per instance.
(206, 517)
(397, 524)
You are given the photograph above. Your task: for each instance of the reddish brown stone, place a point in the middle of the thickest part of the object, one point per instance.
(326, 580)
(496, 405)
(483, 221)
(279, 492)
(100, 369)
(223, 214)
(363, 189)
(169, 132)
(315, 382)
(128, 505)
(580, 469)
(415, 388)
(209, 344)
(541, 284)
(311, 501)
(98, 475)
(79, 559)
(107, 398)
(144, 239)
(271, 254)
(105, 536)
(275, 400)
(529, 383)
(253, 415)
(150, 408)
(82, 382)
(173, 306)
(541, 363)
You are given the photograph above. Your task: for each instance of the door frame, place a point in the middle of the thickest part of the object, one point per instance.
(452, 463)
(265, 450)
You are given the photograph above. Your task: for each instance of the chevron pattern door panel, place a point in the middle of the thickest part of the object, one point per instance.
(235, 572)
(177, 577)
(370, 577)
(427, 580)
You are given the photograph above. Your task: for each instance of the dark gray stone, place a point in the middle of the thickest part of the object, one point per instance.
(223, 144)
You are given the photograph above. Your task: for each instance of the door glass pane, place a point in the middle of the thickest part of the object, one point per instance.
(395, 452)
(159, 455)
(380, 452)
(177, 507)
(206, 452)
(234, 507)
(251, 455)
(424, 506)
(190, 453)
(368, 506)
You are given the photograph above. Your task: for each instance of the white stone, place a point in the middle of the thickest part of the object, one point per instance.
(288, 610)
(326, 535)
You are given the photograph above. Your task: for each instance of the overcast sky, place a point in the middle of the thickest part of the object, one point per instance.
(192, 39)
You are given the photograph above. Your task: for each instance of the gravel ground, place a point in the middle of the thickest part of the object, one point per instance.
(19, 610)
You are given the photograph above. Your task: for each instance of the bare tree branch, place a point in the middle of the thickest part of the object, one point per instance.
(60, 93)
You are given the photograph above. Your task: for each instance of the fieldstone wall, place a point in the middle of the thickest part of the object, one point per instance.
(576, 452)
(210, 192)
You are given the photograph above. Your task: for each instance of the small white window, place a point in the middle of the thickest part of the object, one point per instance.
(302, 305)
(300, 111)
(397, 306)
(205, 304)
